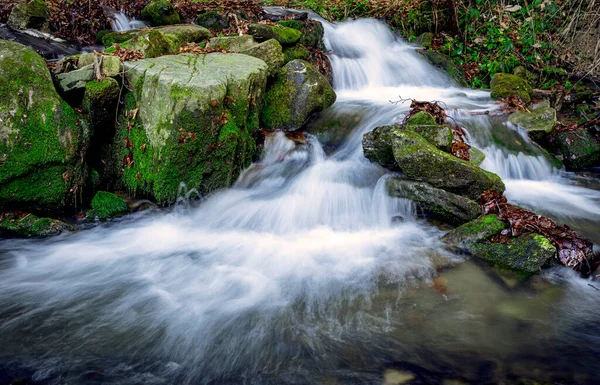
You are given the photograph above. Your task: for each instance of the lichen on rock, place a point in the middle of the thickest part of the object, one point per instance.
(505, 85)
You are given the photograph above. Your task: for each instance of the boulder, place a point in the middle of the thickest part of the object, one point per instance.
(195, 123)
(477, 230)
(160, 12)
(109, 65)
(424, 124)
(312, 32)
(377, 147)
(425, 39)
(284, 35)
(30, 15)
(526, 253)
(107, 205)
(505, 85)
(451, 208)
(40, 135)
(232, 43)
(299, 91)
(295, 52)
(537, 122)
(270, 52)
(213, 20)
(29, 225)
(421, 161)
(579, 149)
(521, 72)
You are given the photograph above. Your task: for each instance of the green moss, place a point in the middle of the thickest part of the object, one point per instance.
(312, 32)
(29, 225)
(505, 85)
(106, 205)
(161, 12)
(421, 118)
(117, 37)
(284, 35)
(295, 52)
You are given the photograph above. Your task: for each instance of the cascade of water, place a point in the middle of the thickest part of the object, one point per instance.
(119, 20)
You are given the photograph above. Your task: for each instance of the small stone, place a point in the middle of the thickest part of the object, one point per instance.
(397, 377)
(284, 35)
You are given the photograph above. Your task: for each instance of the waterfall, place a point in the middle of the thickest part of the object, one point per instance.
(119, 20)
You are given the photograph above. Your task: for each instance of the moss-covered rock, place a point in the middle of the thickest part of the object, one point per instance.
(312, 32)
(100, 102)
(196, 122)
(29, 225)
(33, 14)
(478, 230)
(76, 80)
(421, 118)
(107, 205)
(213, 20)
(270, 52)
(160, 12)
(232, 43)
(40, 135)
(296, 52)
(421, 161)
(451, 208)
(284, 35)
(579, 150)
(477, 156)
(526, 253)
(298, 92)
(536, 122)
(377, 147)
(446, 64)
(109, 65)
(505, 85)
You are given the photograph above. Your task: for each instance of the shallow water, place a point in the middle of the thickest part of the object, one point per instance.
(306, 271)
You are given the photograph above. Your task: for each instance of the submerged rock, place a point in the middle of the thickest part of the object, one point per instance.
(377, 147)
(33, 14)
(449, 207)
(505, 85)
(421, 161)
(299, 91)
(284, 35)
(196, 116)
(160, 12)
(107, 205)
(40, 135)
(29, 225)
(526, 253)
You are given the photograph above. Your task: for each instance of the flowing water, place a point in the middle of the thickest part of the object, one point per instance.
(306, 271)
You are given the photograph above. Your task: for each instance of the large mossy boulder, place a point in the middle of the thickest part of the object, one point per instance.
(444, 205)
(160, 12)
(107, 205)
(526, 253)
(477, 230)
(312, 32)
(578, 150)
(299, 91)
(284, 35)
(40, 135)
(30, 225)
(33, 14)
(506, 85)
(196, 117)
(421, 161)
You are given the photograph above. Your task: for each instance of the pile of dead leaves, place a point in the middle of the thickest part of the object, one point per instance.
(513, 104)
(125, 54)
(460, 148)
(189, 9)
(574, 251)
(197, 50)
(431, 107)
(320, 60)
(6, 7)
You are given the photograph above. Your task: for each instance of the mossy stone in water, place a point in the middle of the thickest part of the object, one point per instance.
(284, 35)
(536, 122)
(161, 12)
(29, 225)
(299, 91)
(106, 205)
(477, 156)
(446, 64)
(40, 135)
(505, 85)
(33, 14)
(421, 161)
(579, 150)
(477, 230)
(377, 147)
(312, 32)
(421, 118)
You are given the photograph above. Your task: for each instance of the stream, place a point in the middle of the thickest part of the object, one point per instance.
(305, 271)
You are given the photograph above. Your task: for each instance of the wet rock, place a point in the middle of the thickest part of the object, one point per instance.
(449, 207)
(377, 147)
(29, 225)
(270, 52)
(196, 120)
(578, 150)
(284, 35)
(75, 80)
(160, 12)
(423, 123)
(526, 253)
(505, 85)
(213, 20)
(537, 122)
(33, 14)
(312, 32)
(232, 43)
(40, 135)
(477, 156)
(46, 45)
(107, 205)
(446, 64)
(478, 230)
(298, 92)
(421, 161)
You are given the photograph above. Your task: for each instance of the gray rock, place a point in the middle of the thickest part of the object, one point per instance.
(33, 14)
(75, 80)
(270, 52)
(232, 43)
(477, 230)
(537, 122)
